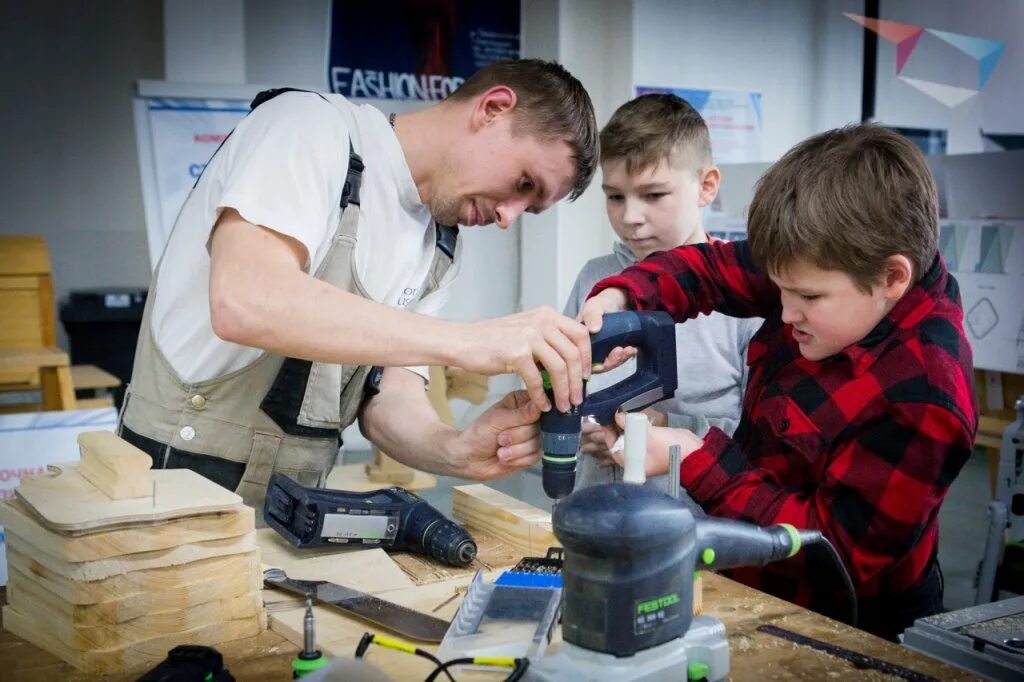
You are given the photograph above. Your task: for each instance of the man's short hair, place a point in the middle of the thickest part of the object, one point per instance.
(655, 127)
(550, 103)
(846, 199)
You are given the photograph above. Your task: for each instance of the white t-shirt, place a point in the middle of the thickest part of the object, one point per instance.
(284, 167)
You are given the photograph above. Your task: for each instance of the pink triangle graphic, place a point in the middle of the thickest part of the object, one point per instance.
(892, 31)
(905, 47)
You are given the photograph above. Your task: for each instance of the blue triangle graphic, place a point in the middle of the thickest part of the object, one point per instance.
(979, 48)
(987, 63)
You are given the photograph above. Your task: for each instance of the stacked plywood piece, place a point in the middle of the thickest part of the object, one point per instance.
(111, 565)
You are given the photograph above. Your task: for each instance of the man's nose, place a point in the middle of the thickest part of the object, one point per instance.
(506, 212)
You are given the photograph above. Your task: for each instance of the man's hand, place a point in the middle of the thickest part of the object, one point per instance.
(501, 441)
(608, 301)
(518, 343)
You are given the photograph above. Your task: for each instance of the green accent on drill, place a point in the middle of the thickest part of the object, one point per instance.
(698, 670)
(209, 677)
(545, 378)
(708, 555)
(659, 603)
(555, 458)
(794, 536)
(303, 667)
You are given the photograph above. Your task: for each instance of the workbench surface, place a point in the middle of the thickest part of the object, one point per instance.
(754, 655)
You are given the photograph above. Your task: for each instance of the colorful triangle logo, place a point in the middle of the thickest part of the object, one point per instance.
(949, 95)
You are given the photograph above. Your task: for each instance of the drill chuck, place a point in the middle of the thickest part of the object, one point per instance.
(560, 438)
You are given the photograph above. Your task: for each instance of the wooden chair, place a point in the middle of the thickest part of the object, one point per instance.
(29, 356)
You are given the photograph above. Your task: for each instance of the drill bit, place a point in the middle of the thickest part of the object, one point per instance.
(308, 634)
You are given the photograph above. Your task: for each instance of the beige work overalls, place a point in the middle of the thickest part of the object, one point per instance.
(275, 414)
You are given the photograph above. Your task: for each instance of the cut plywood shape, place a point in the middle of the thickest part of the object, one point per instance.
(337, 634)
(504, 517)
(119, 469)
(137, 538)
(154, 589)
(141, 561)
(129, 657)
(68, 503)
(33, 603)
(145, 604)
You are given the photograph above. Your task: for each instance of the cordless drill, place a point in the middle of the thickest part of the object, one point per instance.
(391, 518)
(653, 335)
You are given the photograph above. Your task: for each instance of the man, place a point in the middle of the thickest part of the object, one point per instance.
(311, 250)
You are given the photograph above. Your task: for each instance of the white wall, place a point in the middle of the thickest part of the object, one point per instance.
(71, 171)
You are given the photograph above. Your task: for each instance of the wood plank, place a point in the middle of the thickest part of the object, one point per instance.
(24, 255)
(154, 588)
(134, 656)
(78, 629)
(482, 508)
(35, 356)
(353, 477)
(141, 561)
(68, 503)
(119, 469)
(57, 389)
(91, 376)
(95, 403)
(139, 538)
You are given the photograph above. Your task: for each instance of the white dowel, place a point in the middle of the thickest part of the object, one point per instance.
(635, 450)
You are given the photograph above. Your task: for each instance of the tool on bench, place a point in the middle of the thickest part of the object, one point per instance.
(190, 663)
(310, 658)
(400, 619)
(653, 335)
(987, 640)
(630, 553)
(392, 518)
(513, 616)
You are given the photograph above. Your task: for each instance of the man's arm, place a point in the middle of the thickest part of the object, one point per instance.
(261, 297)
(687, 281)
(401, 421)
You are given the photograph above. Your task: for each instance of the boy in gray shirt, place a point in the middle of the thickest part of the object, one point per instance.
(657, 176)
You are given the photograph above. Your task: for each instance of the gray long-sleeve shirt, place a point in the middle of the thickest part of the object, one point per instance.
(711, 359)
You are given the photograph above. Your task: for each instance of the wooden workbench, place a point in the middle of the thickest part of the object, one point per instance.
(420, 583)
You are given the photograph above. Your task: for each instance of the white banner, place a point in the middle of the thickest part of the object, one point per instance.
(176, 137)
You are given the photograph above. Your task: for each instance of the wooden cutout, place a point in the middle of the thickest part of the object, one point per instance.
(504, 517)
(75, 630)
(142, 561)
(386, 470)
(134, 656)
(137, 538)
(153, 588)
(66, 502)
(353, 477)
(115, 466)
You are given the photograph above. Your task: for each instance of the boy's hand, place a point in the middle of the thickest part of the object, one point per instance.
(659, 439)
(597, 441)
(608, 301)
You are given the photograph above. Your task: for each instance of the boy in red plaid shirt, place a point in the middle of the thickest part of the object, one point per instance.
(860, 409)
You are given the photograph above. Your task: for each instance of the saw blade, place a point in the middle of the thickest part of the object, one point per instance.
(398, 619)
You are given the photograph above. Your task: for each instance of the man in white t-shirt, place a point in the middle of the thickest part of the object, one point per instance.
(313, 249)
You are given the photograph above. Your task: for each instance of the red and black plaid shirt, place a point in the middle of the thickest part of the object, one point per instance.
(861, 446)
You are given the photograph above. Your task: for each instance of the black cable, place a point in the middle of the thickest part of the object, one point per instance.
(837, 560)
(517, 673)
(369, 638)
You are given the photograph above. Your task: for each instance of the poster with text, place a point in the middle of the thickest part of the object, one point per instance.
(416, 49)
(733, 117)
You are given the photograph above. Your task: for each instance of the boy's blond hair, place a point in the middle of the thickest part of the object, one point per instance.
(846, 200)
(652, 128)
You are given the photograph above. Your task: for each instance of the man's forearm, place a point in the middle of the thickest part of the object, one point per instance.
(401, 422)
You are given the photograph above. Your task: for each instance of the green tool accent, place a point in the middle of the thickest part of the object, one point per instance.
(546, 378)
(556, 458)
(698, 670)
(708, 555)
(209, 677)
(302, 667)
(794, 536)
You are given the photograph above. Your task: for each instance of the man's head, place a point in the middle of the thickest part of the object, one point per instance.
(845, 223)
(657, 173)
(531, 141)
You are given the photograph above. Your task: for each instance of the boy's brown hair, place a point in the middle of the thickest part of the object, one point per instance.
(656, 127)
(550, 103)
(846, 200)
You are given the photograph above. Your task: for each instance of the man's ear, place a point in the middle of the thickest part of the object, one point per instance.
(492, 104)
(898, 276)
(709, 178)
